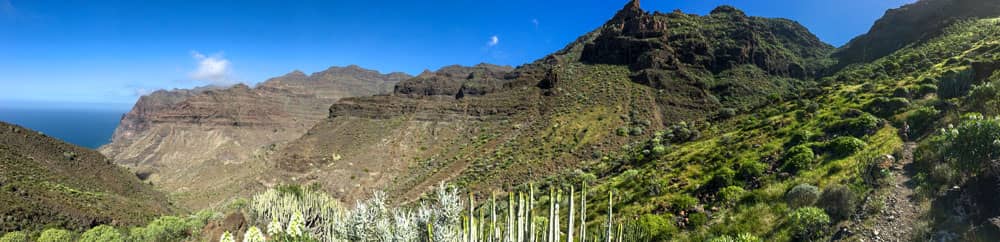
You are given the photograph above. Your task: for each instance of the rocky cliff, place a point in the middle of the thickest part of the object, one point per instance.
(182, 140)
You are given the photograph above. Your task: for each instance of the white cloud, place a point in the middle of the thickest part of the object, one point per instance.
(214, 69)
(494, 40)
(535, 21)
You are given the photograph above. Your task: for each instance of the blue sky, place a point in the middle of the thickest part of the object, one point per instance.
(106, 53)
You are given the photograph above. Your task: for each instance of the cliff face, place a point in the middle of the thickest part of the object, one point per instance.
(181, 139)
(45, 182)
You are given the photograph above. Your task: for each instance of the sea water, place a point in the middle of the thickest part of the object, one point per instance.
(89, 128)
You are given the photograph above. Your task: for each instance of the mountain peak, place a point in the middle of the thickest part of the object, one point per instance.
(727, 9)
(631, 10)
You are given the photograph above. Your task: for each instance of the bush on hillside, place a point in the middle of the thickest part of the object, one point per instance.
(798, 158)
(924, 89)
(749, 170)
(886, 107)
(657, 227)
(845, 146)
(744, 237)
(170, 228)
(808, 223)
(731, 195)
(102, 233)
(802, 195)
(921, 120)
(838, 201)
(56, 235)
(974, 145)
(16, 236)
(954, 84)
(860, 126)
(722, 177)
(985, 98)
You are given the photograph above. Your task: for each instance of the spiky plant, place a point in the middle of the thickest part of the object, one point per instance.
(227, 237)
(253, 234)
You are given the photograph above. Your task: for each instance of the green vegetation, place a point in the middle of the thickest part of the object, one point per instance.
(16, 236)
(56, 235)
(102, 233)
(808, 223)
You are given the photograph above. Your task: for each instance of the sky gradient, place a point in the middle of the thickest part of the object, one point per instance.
(104, 54)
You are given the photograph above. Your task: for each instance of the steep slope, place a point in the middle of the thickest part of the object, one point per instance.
(192, 142)
(852, 141)
(45, 182)
(640, 71)
(912, 24)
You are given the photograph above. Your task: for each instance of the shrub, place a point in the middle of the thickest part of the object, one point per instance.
(635, 131)
(925, 89)
(622, 131)
(802, 195)
(974, 144)
(722, 177)
(838, 201)
(683, 202)
(749, 170)
(886, 107)
(955, 84)
(102, 233)
(808, 223)
(903, 92)
(985, 98)
(726, 113)
(56, 235)
(697, 220)
(658, 228)
(845, 146)
(167, 228)
(921, 120)
(800, 137)
(863, 124)
(731, 195)
(744, 237)
(16, 236)
(799, 157)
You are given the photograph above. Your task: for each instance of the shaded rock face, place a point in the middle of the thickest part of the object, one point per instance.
(177, 139)
(456, 81)
(653, 45)
(910, 24)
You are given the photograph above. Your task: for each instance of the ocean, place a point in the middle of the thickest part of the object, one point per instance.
(83, 127)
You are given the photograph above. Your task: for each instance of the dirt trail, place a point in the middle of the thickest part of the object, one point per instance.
(900, 210)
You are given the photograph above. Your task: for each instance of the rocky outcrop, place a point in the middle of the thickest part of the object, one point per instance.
(177, 138)
(720, 41)
(456, 81)
(912, 23)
